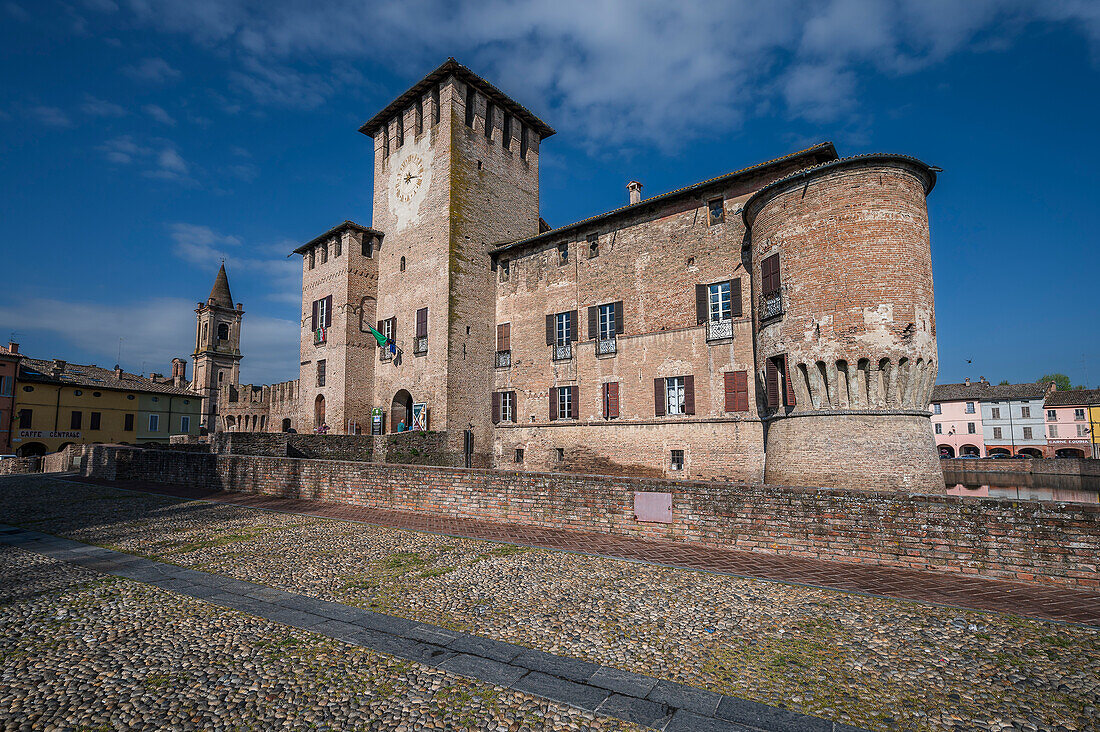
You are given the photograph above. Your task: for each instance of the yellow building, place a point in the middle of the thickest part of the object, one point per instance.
(1094, 428)
(58, 403)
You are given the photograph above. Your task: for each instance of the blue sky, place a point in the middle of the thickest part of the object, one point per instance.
(143, 140)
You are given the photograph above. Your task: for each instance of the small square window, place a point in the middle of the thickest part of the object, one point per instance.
(717, 212)
(1025, 412)
(559, 454)
(677, 460)
(563, 254)
(1027, 433)
(519, 455)
(936, 409)
(939, 428)
(593, 246)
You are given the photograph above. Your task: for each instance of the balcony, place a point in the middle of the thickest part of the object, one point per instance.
(320, 336)
(605, 346)
(420, 345)
(771, 305)
(384, 354)
(563, 353)
(719, 329)
(503, 359)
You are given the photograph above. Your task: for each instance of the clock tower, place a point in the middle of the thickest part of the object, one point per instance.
(455, 173)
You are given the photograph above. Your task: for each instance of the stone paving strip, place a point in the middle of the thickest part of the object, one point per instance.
(86, 652)
(601, 690)
(870, 662)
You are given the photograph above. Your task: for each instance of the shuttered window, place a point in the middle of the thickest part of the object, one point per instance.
(769, 275)
(128, 423)
(74, 421)
(777, 382)
(674, 395)
(94, 420)
(559, 328)
(718, 301)
(771, 383)
(504, 406)
(422, 322)
(322, 313)
(737, 391)
(504, 337)
(563, 402)
(611, 400)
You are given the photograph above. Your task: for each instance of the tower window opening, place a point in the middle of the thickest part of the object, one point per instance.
(717, 213)
(385, 141)
(435, 106)
(419, 116)
(523, 141)
(489, 109)
(471, 97)
(400, 128)
(223, 332)
(506, 136)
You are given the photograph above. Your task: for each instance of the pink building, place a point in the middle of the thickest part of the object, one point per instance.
(957, 418)
(1067, 422)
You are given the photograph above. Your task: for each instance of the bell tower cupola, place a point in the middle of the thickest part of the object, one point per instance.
(217, 353)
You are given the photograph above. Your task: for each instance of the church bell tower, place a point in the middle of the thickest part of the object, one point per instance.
(217, 353)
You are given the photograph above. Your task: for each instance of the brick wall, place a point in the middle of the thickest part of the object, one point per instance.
(356, 448)
(414, 448)
(16, 466)
(1047, 466)
(1021, 540)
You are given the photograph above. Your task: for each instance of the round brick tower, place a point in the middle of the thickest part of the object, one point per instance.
(846, 334)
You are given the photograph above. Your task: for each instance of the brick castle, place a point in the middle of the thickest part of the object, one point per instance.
(775, 323)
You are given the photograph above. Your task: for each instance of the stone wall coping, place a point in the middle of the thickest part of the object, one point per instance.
(667, 485)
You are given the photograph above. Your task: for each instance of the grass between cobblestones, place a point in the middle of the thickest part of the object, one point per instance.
(88, 652)
(877, 663)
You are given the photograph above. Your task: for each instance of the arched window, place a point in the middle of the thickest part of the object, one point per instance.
(205, 332)
(402, 264)
(221, 377)
(223, 332)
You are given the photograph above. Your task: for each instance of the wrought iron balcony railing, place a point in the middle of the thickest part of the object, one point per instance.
(563, 353)
(503, 359)
(719, 329)
(771, 305)
(605, 346)
(420, 345)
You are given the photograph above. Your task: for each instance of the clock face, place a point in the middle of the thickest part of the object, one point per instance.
(409, 178)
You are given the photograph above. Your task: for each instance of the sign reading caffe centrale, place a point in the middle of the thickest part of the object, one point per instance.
(41, 434)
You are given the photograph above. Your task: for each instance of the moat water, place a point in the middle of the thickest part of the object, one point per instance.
(1025, 487)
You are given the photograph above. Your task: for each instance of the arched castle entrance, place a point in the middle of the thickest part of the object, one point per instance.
(401, 410)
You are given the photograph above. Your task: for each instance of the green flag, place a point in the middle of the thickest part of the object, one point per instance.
(378, 337)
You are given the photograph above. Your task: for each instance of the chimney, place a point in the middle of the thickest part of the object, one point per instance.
(179, 368)
(967, 381)
(983, 381)
(118, 372)
(57, 368)
(635, 189)
(13, 347)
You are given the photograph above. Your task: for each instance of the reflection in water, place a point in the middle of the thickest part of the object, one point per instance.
(1023, 486)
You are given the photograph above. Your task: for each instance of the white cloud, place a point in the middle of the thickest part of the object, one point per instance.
(101, 108)
(50, 116)
(159, 114)
(616, 71)
(202, 246)
(153, 332)
(151, 70)
(158, 159)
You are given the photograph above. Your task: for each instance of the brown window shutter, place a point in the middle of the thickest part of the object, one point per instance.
(603, 400)
(788, 385)
(553, 403)
(735, 297)
(769, 274)
(500, 337)
(658, 397)
(619, 317)
(613, 399)
(771, 382)
(316, 313)
(741, 391)
(393, 327)
(574, 327)
(380, 327)
(689, 394)
(701, 313)
(549, 330)
(328, 311)
(421, 322)
(574, 407)
(515, 405)
(496, 407)
(730, 392)
(507, 337)
(593, 323)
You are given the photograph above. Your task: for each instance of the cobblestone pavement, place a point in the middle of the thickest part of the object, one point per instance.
(84, 651)
(875, 663)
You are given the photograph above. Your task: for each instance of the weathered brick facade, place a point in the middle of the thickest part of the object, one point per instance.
(660, 339)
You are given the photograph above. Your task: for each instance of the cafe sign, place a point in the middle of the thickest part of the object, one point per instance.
(42, 435)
